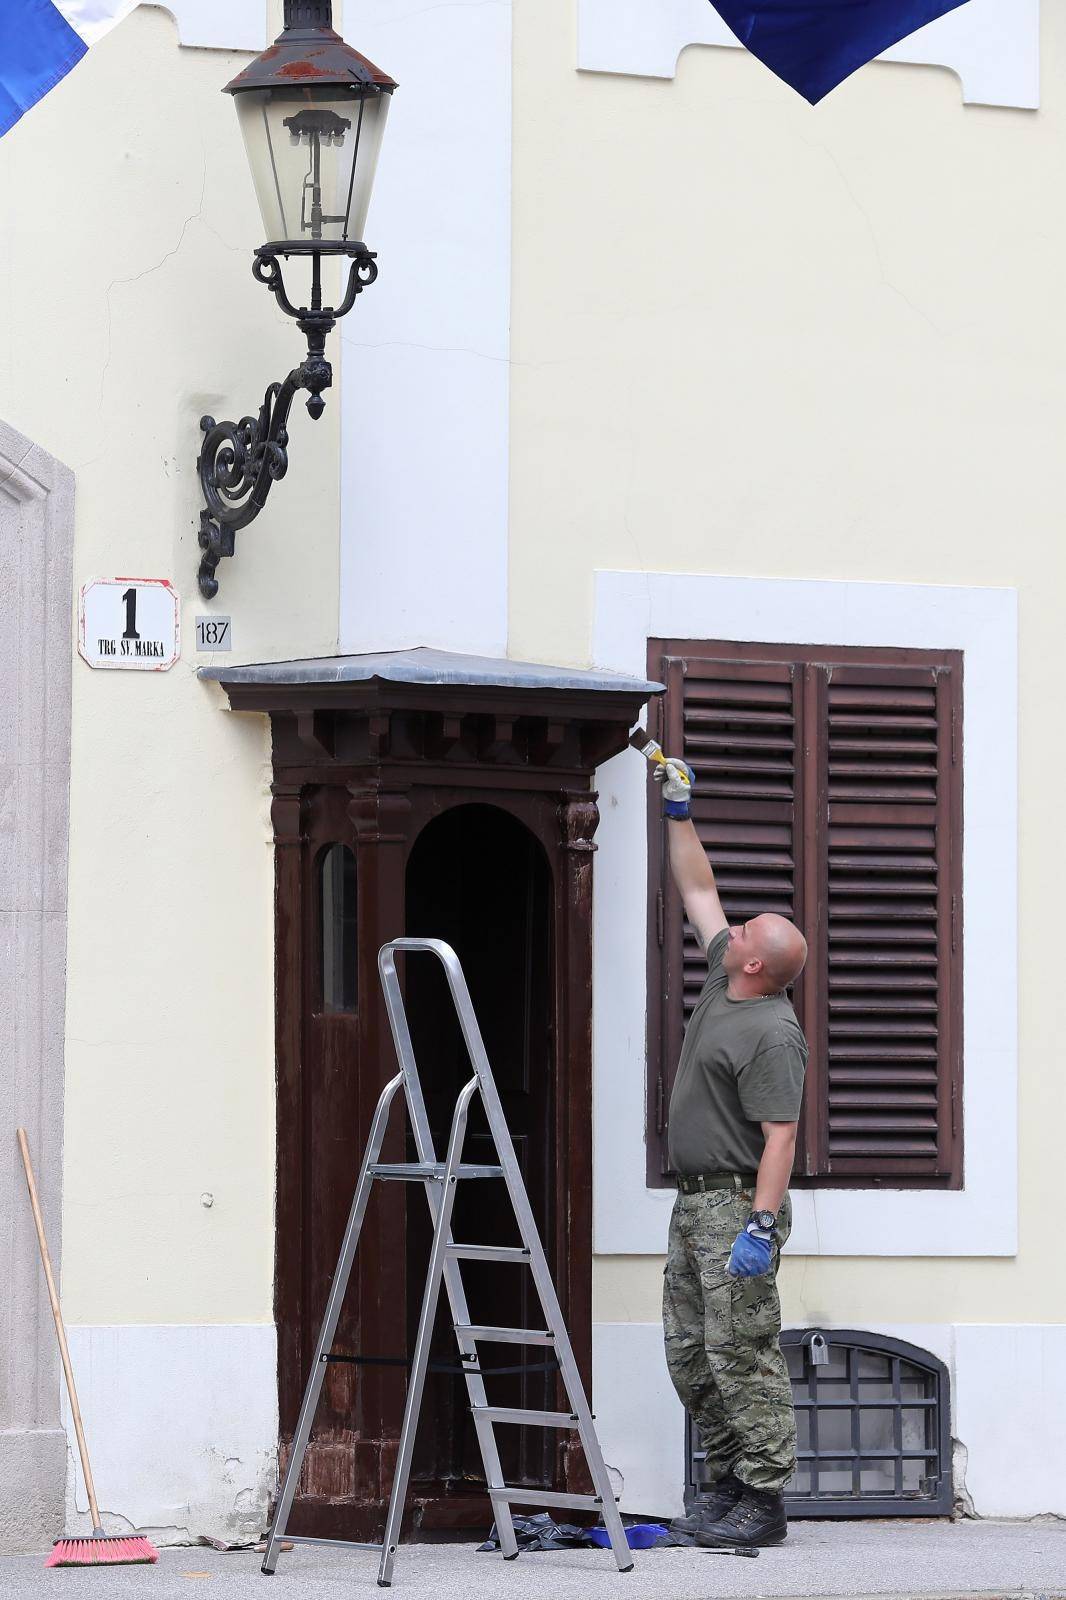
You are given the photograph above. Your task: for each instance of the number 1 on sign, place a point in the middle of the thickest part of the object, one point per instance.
(129, 600)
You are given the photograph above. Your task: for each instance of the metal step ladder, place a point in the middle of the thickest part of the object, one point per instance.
(441, 1179)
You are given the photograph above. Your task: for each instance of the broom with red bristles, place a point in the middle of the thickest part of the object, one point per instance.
(98, 1548)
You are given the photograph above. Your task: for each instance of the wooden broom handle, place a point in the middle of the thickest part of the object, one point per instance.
(57, 1314)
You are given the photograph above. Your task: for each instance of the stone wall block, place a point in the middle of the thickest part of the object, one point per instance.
(36, 551)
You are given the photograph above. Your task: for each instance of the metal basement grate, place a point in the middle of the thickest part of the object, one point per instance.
(872, 1425)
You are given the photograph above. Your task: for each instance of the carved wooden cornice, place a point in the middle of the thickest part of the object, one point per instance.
(416, 709)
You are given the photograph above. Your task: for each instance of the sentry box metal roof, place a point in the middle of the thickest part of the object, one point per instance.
(438, 668)
(429, 706)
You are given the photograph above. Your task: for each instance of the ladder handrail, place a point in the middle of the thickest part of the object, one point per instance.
(475, 1046)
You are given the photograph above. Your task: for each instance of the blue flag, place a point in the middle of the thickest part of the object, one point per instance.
(41, 40)
(815, 44)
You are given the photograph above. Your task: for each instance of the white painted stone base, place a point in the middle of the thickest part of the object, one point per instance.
(1008, 1396)
(639, 1419)
(182, 1421)
(182, 1424)
(1010, 1414)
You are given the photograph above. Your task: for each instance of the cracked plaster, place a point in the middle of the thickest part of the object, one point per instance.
(200, 1390)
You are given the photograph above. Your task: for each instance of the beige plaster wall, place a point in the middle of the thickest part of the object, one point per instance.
(125, 249)
(752, 338)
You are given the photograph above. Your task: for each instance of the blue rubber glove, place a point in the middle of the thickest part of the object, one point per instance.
(678, 781)
(752, 1253)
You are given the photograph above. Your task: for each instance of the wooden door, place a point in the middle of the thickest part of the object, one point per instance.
(479, 880)
(511, 890)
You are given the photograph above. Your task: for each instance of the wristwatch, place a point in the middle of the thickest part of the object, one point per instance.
(763, 1219)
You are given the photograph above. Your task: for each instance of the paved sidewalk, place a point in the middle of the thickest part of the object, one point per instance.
(823, 1559)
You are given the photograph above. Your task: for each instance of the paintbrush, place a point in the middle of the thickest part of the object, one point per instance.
(642, 740)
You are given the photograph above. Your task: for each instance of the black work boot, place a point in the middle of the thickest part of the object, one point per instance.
(720, 1498)
(756, 1519)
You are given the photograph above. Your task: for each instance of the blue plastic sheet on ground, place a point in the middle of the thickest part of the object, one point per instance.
(542, 1532)
(639, 1535)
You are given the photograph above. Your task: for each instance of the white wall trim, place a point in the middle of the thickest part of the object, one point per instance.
(1008, 1395)
(218, 24)
(182, 1421)
(993, 46)
(631, 607)
(425, 419)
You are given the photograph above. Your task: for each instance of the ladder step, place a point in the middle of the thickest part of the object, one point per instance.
(543, 1497)
(488, 1252)
(530, 1419)
(506, 1335)
(428, 1171)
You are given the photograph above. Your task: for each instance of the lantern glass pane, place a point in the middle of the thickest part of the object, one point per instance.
(313, 152)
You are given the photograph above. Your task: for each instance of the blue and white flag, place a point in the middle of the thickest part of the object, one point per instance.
(815, 44)
(40, 40)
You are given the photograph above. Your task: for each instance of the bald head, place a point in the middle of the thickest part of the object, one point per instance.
(781, 948)
(763, 956)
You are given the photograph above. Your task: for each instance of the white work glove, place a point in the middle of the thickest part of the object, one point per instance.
(677, 779)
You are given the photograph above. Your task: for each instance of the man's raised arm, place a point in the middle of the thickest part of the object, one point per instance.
(694, 877)
(691, 870)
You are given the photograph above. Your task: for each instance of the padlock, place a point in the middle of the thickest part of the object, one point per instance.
(819, 1348)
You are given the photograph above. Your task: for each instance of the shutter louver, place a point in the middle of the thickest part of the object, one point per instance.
(829, 789)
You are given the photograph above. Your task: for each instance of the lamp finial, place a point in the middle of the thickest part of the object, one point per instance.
(308, 13)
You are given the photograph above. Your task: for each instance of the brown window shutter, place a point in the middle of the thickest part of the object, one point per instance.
(890, 971)
(737, 723)
(828, 789)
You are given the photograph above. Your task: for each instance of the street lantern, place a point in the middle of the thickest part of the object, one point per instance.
(312, 111)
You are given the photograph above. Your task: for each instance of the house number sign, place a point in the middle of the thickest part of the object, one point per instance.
(214, 633)
(129, 624)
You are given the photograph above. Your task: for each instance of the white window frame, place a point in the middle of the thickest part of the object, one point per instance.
(981, 1219)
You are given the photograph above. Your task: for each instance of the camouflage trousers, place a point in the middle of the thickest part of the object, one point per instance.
(722, 1344)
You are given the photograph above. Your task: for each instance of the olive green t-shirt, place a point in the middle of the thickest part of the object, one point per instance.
(742, 1063)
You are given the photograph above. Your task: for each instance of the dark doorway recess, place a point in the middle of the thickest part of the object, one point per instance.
(460, 791)
(478, 879)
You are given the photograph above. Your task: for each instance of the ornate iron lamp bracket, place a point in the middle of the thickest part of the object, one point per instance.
(239, 462)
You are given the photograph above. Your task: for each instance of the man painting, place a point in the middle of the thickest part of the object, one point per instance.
(732, 1137)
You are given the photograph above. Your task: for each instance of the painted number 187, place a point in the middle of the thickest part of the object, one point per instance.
(213, 633)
